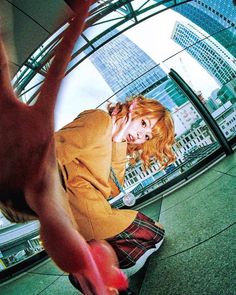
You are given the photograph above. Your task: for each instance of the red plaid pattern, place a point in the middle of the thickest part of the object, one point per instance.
(133, 242)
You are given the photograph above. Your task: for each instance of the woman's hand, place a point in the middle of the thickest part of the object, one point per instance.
(27, 155)
(28, 161)
(120, 126)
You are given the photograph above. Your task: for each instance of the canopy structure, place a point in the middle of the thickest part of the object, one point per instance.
(107, 20)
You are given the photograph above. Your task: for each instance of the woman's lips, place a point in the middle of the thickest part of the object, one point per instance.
(130, 138)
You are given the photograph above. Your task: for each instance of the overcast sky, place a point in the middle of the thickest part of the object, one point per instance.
(84, 87)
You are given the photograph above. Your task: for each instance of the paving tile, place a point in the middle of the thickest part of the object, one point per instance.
(199, 252)
(192, 187)
(198, 255)
(226, 164)
(61, 286)
(153, 210)
(230, 171)
(201, 215)
(206, 269)
(135, 282)
(201, 182)
(28, 284)
(47, 267)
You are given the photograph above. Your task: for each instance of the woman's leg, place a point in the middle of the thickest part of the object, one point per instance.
(159, 224)
(134, 245)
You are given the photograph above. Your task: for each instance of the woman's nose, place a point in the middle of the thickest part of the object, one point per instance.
(140, 135)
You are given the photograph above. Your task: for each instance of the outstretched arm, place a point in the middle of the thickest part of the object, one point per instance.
(28, 162)
(6, 89)
(62, 57)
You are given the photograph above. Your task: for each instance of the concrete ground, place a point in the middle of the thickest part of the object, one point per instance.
(199, 252)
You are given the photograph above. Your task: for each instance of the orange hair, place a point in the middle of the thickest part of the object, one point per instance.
(160, 146)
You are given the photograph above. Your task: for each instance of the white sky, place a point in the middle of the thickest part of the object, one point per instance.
(84, 87)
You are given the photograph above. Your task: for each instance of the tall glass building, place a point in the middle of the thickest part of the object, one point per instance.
(207, 51)
(128, 71)
(213, 16)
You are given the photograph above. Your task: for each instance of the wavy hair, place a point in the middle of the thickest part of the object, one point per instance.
(160, 146)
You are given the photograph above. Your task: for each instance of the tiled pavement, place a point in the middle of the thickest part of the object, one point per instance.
(198, 256)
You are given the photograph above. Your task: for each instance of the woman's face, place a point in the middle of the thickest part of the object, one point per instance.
(140, 130)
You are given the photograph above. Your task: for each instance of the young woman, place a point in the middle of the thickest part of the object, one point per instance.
(86, 150)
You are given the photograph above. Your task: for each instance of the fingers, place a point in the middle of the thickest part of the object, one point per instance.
(131, 109)
(65, 246)
(61, 240)
(129, 117)
(109, 277)
(133, 104)
(49, 90)
(69, 250)
(6, 91)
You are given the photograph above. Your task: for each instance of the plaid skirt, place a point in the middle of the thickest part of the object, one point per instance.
(131, 244)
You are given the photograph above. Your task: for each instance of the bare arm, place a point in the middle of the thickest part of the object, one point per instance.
(28, 161)
(6, 89)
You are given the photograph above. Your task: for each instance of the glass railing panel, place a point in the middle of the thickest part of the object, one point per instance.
(4, 223)
(18, 242)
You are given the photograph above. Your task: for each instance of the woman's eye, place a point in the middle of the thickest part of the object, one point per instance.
(143, 123)
(147, 137)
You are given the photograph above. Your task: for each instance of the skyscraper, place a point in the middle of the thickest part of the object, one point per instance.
(207, 51)
(129, 71)
(213, 16)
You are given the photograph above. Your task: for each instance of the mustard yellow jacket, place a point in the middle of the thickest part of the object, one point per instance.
(85, 153)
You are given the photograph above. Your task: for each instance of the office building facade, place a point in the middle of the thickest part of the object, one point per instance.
(129, 71)
(217, 61)
(217, 18)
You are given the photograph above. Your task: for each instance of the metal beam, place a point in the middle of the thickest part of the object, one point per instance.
(116, 12)
(204, 113)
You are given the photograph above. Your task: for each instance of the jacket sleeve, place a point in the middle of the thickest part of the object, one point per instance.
(82, 135)
(119, 160)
